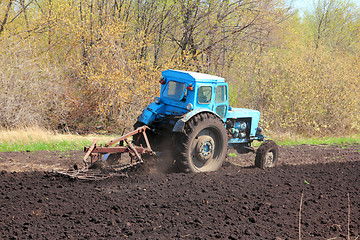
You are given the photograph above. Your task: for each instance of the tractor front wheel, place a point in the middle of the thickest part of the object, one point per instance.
(203, 144)
(267, 155)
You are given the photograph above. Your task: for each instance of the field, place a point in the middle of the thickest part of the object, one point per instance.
(72, 71)
(315, 187)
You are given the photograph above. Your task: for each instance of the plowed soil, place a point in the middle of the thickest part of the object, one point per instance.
(312, 193)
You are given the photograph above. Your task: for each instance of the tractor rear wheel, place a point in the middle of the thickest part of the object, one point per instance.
(202, 145)
(267, 155)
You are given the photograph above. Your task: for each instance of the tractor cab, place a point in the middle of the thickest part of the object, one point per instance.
(192, 91)
(183, 92)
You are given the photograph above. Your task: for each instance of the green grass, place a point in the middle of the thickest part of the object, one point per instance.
(38, 139)
(317, 141)
(64, 145)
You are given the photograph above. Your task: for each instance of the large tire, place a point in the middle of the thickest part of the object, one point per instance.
(267, 155)
(203, 145)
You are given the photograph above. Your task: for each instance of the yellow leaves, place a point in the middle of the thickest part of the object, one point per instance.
(304, 91)
(110, 62)
(119, 82)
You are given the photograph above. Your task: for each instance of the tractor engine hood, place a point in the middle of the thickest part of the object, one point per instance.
(242, 112)
(236, 113)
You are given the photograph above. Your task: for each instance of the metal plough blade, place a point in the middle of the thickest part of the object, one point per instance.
(90, 174)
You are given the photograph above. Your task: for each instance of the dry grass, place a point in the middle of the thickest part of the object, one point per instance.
(36, 138)
(37, 134)
(300, 209)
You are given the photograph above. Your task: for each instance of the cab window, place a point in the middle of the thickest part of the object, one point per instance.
(204, 94)
(221, 94)
(174, 90)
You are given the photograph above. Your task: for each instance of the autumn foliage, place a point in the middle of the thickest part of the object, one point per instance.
(88, 65)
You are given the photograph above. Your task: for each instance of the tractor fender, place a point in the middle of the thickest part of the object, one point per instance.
(179, 125)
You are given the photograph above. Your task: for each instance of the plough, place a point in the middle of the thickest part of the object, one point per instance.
(105, 161)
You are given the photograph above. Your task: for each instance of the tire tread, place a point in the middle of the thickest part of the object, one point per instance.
(183, 139)
(264, 148)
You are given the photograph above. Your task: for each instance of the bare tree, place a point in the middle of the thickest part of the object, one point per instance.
(214, 29)
(5, 19)
(335, 23)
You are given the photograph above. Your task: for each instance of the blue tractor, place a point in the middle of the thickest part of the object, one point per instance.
(192, 117)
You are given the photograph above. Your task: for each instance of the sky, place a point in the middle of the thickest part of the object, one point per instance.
(302, 5)
(308, 5)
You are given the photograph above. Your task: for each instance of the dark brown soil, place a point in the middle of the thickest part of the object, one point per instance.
(236, 202)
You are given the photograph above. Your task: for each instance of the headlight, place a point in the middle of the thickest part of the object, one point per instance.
(258, 130)
(157, 100)
(189, 107)
(240, 125)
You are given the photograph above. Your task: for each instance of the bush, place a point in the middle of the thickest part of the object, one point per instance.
(33, 92)
(301, 90)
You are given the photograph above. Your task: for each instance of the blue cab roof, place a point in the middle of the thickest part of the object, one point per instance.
(191, 76)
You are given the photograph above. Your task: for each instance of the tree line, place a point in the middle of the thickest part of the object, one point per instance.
(88, 64)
